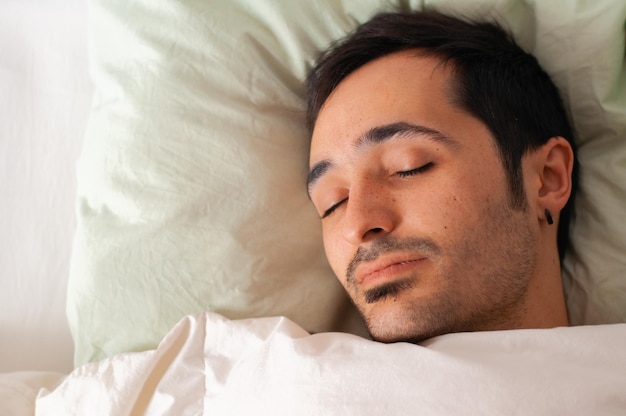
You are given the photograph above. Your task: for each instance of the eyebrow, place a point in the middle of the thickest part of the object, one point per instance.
(379, 135)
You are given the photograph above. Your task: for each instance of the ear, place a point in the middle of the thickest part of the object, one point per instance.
(552, 164)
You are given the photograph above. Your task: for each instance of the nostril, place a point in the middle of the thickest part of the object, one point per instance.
(373, 233)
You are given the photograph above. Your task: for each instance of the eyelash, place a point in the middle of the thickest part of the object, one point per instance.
(334, 207)
(417, 171)
(402, 174)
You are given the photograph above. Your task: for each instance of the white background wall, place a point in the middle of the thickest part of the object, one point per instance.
(45, 96)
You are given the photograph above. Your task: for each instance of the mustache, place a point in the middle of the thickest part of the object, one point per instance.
(386, 245)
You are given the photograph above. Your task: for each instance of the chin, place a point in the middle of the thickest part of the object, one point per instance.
(412, 334)
(392, 323)
(389, 337)
(410, 319)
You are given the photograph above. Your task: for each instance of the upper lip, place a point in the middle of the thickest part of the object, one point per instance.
(367, 269)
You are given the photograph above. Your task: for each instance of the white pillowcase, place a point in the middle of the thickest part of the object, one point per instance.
(192, 181)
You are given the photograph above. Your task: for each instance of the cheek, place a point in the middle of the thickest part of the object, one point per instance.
(472, 207)
(437, 207)
(447, 210)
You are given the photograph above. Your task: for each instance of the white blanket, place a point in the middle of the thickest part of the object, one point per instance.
(209, 365)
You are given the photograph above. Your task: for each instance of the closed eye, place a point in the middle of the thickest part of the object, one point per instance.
(334, 207)
(401, 174)
(416, 171)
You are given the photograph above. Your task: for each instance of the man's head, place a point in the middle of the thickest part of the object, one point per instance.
(438, 145)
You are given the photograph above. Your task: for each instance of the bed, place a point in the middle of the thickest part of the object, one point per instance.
(160, 254)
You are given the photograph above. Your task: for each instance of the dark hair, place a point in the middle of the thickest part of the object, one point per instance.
(494, 80)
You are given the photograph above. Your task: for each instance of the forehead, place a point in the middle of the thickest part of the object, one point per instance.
(400, 87)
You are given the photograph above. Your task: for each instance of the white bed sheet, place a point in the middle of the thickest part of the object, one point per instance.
(271, 366)
(45, 98)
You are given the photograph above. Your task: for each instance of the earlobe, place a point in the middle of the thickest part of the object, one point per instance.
(556, 159)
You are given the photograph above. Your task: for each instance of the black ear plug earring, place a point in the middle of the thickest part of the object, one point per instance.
(549, 217)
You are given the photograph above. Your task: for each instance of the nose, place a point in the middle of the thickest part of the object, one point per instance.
(369, 214)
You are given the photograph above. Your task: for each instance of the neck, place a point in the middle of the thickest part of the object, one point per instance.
(546, 306)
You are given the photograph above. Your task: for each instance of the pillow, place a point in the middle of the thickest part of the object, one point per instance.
(191, 188)
(588, 65)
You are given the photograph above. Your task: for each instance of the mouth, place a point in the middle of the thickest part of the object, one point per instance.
(385, 270)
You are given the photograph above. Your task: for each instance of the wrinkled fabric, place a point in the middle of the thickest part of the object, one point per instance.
(18, 390)
(209, 365)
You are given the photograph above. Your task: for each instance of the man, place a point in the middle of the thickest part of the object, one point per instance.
(443, 167)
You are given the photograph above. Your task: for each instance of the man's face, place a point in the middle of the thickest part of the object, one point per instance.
(415, 206)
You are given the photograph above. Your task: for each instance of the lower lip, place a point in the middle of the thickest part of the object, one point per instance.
(393, 271)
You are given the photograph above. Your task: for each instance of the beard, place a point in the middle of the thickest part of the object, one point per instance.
(478, 281)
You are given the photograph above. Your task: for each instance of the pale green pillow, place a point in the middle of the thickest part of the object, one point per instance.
(191, 182)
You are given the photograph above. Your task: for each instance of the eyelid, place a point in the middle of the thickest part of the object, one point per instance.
(333, 208)
(416, 171)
